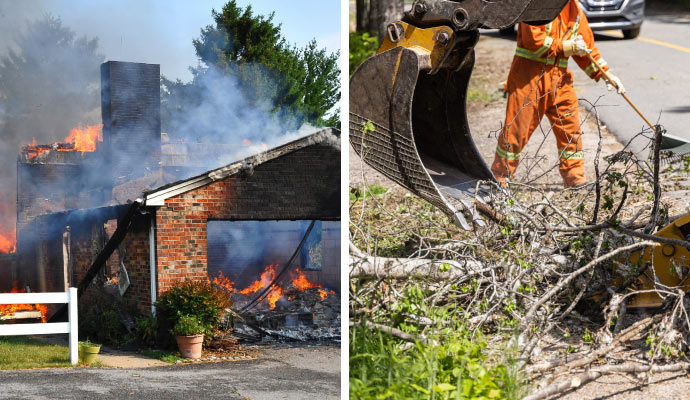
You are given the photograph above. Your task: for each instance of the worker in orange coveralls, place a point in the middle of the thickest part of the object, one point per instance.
(540, 83)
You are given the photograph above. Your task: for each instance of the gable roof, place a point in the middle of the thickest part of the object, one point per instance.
(157, 197)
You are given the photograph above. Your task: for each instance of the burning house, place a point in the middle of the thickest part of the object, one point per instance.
(266, 227)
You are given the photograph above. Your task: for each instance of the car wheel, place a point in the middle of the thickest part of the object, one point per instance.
(631, 33)
(507, 31)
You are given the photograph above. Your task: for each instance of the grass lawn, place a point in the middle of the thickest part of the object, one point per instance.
(18, 352)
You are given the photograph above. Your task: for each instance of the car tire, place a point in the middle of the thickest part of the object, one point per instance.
(509, 31)
(631, 33)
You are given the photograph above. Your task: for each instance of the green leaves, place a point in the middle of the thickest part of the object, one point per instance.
(454, 366)
(247, 53)
(301, 83)
(362, 46)
(197, 301)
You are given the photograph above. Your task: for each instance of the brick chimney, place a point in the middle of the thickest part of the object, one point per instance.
(130, 108)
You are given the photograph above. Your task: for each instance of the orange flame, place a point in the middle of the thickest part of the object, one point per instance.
(8, 241)
(266, 278)
(301, 283)
(273, 296)
(298, 280)
(10, 309)
(8, 229)
(85, 139)
(223, 281)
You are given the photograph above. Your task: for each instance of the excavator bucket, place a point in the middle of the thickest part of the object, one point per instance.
(408, 102)
(666, 266)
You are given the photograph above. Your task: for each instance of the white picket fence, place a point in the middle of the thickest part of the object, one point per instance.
(69, 298)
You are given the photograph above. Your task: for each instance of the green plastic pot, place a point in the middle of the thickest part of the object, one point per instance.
(88, 353)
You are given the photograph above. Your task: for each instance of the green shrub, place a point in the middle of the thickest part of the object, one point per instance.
(187, 325)
(381, 367)
(362, 46)
(198, 299)
(99, 319)
(146, 328)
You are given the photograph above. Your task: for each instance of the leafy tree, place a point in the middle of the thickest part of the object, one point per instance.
(295, 84)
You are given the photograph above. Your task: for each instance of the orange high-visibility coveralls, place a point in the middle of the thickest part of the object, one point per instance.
(540, 83)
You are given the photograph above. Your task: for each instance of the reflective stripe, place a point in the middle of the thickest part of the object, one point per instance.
(524, 53)
(576, 27)
(547, 45)
(506, 154)
(592, 69)
(572, 155)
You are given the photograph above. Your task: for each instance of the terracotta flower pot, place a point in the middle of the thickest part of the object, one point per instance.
(190, 346)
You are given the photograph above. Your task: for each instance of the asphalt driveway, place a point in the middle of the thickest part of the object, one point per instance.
(282, 373)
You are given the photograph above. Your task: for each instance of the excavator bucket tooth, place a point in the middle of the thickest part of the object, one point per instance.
(412, 127)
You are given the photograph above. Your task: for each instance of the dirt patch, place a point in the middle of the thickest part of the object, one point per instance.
(125, 359)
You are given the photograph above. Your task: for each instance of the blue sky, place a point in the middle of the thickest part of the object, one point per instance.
(161, 32)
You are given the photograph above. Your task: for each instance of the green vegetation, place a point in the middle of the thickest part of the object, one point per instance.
(99, 320)
(445, 362)
(362, 46)
(374, 190)
(482, 95)
(21, 352)
(146, 327)
(199, 300)
(248, 52)
(163, 355)
(187, 325)
(88, 343)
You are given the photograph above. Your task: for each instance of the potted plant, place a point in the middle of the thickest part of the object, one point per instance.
(88, 351)
(189, 333)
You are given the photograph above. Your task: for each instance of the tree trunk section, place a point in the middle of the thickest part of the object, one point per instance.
(382, 13)
(362, 11)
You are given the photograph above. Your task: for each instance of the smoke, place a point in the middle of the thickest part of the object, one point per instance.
(49, 83)
(241, 249)
(217, 108)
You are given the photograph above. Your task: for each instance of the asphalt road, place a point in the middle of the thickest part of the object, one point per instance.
(286, 373)
(655, 70)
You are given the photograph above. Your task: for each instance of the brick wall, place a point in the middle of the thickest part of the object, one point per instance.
(87, 242)
(7, 271)
(304, 184)
(135, 255)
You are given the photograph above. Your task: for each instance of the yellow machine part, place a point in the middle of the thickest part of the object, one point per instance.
(423, 41)
(670, 265)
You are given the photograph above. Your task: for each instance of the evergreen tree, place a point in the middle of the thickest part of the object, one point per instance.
(296, 84)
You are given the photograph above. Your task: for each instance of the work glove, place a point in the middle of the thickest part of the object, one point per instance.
(617, 81)
(575, 47)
